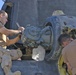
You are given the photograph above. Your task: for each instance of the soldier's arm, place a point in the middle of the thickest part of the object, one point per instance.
(7, 32)
(12, 41)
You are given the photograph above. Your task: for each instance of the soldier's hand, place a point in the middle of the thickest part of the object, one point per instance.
(19, 35)
(21, 28)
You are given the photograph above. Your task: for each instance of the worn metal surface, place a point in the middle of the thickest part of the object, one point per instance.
(35, 12)
(31, 67)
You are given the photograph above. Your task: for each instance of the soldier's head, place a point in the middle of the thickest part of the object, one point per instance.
(3, 17)
(64, 39)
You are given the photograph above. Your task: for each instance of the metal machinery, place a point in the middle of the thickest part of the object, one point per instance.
(35, 36)
(46, 37)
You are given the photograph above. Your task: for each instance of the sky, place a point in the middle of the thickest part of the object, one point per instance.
(1, 3)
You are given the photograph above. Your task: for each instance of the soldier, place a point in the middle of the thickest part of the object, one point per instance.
(6, 56)
(68, 52)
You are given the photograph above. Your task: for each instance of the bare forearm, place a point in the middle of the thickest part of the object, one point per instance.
(12, 32)
(13, 41)
(9, 31)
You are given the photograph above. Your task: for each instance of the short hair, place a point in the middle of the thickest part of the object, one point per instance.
(62, 38)
(2, 12)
